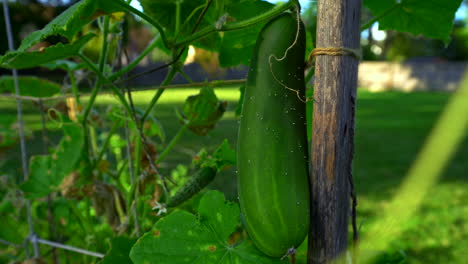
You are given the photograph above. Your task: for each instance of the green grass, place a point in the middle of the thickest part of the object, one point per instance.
(391, 128)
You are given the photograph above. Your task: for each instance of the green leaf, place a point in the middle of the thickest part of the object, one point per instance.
(119, 251)
(224, 156)
(164, 12)
(72, 20)
(25, 59)
(12, 230)
(46, 172)
(432, 18)
(152, 126)
(9, 130)
(29, 86)
(221, 216)
(64, 65)
(202, 111)
(237, 46)
(40, 176)
(68, 152)
(66, 26)
(185, 238)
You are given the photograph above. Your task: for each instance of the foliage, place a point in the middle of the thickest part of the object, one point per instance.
(184, 238)
(105, 169)
(48, 171)
(430, 18)
(29, 86)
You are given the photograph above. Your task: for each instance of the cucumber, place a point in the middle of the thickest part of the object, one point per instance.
(198, 181)
(273, 181)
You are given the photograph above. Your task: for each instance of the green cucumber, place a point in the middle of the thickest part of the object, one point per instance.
(272, 151)
(198, 181)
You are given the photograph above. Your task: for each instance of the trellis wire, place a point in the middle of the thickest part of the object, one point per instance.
(19, 108)
(69, 248)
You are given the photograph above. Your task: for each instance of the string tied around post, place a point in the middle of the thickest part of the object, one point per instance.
(333, 51)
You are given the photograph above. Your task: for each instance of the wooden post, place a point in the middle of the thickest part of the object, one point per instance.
(338, 26)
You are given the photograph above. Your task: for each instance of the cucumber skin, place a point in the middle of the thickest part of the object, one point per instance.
(198, 181)
(273, 180)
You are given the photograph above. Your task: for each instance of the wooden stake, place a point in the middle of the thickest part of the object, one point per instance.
(338, 26)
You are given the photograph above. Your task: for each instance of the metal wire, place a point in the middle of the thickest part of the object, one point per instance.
(69, 248)
(19, 108)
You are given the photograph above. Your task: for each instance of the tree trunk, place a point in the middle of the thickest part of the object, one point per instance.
(338, 26)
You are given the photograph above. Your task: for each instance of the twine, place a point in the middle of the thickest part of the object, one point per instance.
(338, 51)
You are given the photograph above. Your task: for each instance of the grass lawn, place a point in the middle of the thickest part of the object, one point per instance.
(391, 127)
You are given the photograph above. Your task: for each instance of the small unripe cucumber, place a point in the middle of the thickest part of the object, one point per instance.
(272, 145)
(198, 181)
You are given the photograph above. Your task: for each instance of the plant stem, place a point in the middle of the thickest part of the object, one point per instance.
(185, 76)
(100, 69)
(309, 76)
(235, 26)
(137, 153)
(379, 17)
(192, 14)
(136, 170)
(93, 139)
(177, 18)
(105, 44)
(96, 88)
(147, 18)
(135, 62)
(154, 100)
(74, 86)
(114, 88)
(171, 144)
(107, 141)
(133, 182)
(91, 100)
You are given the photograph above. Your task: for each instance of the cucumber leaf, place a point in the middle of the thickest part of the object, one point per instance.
(182, 237)
(66, 26)
(202, 111)
(431, 18)
(29, 86)
(72, 20)
(8, 135)
(237, 46)
(223, 157)
(46, 172)
(119, 251)
(24, 59)
(66, 65)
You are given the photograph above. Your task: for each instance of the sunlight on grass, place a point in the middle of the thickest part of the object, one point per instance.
(171, 96)
(439, 148)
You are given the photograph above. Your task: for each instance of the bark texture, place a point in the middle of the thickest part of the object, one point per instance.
(335, 78)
